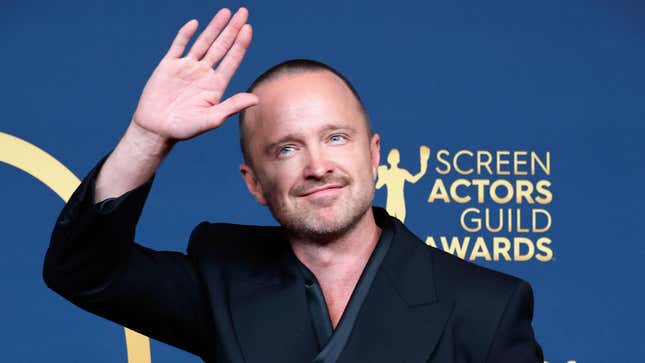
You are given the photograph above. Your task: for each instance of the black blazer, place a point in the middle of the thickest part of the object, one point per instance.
(233, 298)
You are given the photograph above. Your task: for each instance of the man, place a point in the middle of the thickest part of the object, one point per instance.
(339, 281)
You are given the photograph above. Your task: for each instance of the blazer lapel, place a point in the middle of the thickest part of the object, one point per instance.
(269, 310)
(402, 318)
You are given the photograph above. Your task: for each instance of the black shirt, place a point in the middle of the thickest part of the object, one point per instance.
(332, 342)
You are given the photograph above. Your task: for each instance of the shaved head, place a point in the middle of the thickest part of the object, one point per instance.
(290, 68)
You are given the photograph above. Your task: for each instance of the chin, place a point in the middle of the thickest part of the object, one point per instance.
(318, 223)
(324, 226)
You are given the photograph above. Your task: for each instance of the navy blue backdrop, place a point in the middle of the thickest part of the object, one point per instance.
(551, 76)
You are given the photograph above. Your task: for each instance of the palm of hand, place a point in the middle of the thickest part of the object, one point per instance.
(176, 100)
(182, 96)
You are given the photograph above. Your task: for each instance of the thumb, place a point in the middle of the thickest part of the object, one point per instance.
(232, 105)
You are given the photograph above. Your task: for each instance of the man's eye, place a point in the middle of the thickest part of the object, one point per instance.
(337, 138)
(285, 150)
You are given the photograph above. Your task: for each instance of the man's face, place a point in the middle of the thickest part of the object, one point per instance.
(313, 161)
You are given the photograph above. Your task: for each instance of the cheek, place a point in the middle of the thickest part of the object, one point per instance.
(359, 161)
(279, 178)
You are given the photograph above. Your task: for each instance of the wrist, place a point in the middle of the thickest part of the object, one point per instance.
(145, 143)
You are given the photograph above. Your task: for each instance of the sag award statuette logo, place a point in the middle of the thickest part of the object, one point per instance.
(505, 195)
(394, 179)
(44, 167)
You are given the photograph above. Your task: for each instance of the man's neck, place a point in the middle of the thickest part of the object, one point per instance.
(338, 264)
(347, 249)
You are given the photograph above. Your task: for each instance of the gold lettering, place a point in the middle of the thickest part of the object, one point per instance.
(480, 250)
(481, 183)
(543, 246)
(431, 242)
(453, 191)
(509, 191)
(523, 190)
(438, 192)
(484, 163)
(501, 246)
(487, 219)
(542, 187)
(544, 165)
(443, 161)
(501, 162)
(534, 214)
(455, 162)
(476, 220)
(517, 162)
(517, 253)
(518, 222)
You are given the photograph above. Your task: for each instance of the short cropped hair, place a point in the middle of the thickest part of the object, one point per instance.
(296, 66)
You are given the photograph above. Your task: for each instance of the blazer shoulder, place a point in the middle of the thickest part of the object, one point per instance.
(455, 276)
(466, 279)
(495, 309)
(236, 242)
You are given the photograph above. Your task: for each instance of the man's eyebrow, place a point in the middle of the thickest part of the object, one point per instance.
(334, 127)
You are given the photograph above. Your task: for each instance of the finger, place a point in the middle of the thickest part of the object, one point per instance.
(231, 106)
(209, 34)
(183, 36)
(226, 38)
(233, 58)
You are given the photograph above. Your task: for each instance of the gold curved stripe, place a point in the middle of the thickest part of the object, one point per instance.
(44, 167)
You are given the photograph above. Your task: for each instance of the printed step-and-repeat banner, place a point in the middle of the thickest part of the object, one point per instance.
(512, 137)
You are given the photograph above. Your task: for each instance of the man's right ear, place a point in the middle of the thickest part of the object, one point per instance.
(252, 183)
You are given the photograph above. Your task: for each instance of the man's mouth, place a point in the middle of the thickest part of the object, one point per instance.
(321, 189)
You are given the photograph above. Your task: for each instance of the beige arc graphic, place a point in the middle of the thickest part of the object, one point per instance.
(44, 167)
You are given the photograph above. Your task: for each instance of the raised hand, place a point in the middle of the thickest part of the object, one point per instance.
(182, 98)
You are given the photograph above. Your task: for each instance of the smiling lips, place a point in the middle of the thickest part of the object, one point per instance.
(321, 189)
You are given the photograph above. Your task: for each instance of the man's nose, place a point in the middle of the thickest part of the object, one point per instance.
(318, 164)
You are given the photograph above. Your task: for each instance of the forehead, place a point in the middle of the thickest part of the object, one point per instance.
(301, 103)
